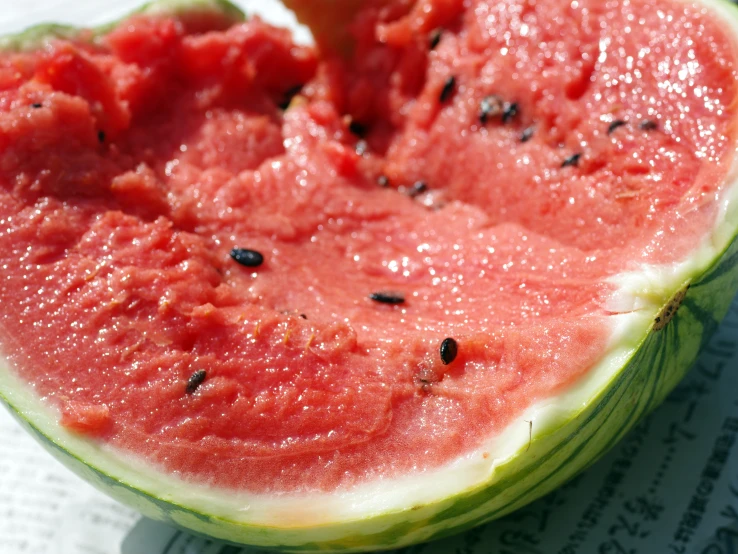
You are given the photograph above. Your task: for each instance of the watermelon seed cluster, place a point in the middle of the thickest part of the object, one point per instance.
(491, 106)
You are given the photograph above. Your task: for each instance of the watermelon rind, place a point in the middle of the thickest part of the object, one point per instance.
(35, 37)
(547, 444)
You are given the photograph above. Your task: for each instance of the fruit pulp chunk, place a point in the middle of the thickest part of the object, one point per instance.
(513, 156)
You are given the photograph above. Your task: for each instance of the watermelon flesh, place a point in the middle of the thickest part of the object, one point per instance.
(161, 147)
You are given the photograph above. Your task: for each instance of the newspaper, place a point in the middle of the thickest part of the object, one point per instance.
(45, 509)
(670, 487)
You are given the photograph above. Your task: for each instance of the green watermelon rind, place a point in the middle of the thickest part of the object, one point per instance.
(35, 37)
(641, 371)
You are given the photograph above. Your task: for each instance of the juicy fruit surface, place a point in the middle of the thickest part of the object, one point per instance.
(158, 150)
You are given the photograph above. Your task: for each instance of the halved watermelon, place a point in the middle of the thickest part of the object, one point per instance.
(358, 300)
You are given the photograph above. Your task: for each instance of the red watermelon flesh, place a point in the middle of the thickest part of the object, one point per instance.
(133, 165)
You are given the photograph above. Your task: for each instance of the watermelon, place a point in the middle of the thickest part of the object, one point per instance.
(367, 295)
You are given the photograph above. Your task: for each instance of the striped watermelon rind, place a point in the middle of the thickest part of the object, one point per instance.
(35, 37)
(566, 435)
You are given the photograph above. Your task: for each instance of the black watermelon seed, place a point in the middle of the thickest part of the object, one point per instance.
(359, 129)
(614, 125)
(383, 181)
(448, 89)
(303, 316)
(510, 111)
(246, 257)
(101, 136)
(195, 380)
(648, 125)
(386, 297)
(449, 350)
(572, 161)
(289, 94)
(527, 134)
(419, 187)
(435, 38)
(361, 148)
(36, 105)
(490, 106)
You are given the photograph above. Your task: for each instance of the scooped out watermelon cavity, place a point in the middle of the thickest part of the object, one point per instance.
(359, 298)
